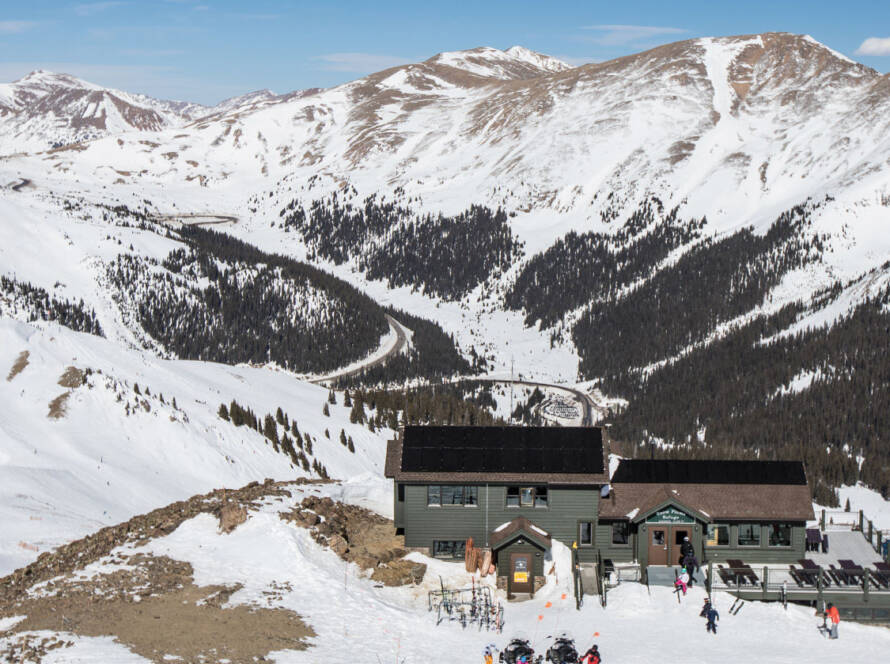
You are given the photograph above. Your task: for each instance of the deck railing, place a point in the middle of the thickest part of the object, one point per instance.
(843, 520)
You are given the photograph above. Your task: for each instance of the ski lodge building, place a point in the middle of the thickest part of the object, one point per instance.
(515, 489)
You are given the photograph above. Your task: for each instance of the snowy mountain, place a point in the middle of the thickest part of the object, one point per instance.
(514, 64)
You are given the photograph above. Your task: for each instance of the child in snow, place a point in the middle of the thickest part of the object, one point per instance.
(592, 656)
(713, 617)
(831, 612)
(488, 654)
(705, 608)
(682, 581)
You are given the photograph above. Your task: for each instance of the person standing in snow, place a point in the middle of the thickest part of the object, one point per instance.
(682, 581)
(705, 608)
(592, 656)
(832, 612)
(488, 654)
(713, 617)
(690, 562)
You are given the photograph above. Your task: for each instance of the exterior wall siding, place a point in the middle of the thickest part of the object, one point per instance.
(618, 553)
(763, 553)
(536, 554)
(566, 508)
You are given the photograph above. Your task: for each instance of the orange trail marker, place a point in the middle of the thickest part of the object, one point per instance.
(548, 605)
(540, 617)
(563, 596)
(596, 633)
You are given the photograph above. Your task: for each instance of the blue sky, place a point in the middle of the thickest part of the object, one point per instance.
(206, 50)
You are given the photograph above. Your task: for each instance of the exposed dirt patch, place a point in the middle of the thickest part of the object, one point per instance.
(19, 365)
(139, 530)
(58, 407)
(155, 609)
(73, 377)
(360, 536)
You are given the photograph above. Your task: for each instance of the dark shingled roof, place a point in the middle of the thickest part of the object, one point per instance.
(559, 455)
(673, 471)
(507, 532)
(719, 490)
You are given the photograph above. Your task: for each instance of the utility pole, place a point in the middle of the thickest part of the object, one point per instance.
(511, 389)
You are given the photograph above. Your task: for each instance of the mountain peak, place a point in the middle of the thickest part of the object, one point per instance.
(515, 63)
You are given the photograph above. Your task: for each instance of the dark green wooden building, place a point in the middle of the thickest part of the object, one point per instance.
(534, 483)
(514, 489)
(754, 511)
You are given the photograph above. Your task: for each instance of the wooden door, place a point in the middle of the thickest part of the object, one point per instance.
(521, 577)
(658, 544)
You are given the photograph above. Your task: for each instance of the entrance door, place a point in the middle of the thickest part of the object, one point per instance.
(521, 578)
(658, 544)
(677, 535)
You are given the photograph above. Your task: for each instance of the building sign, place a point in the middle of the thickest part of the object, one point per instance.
(670, 515)
(520, 570)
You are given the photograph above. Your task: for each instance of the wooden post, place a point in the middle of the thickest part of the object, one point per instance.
(880, 544)
(820, 583)
(871, 528)
(865, 586)
(861, 522)
(710, 579)
(822, 521)
(765, 582)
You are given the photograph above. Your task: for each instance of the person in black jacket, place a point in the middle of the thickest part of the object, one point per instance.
(713, 617)
(592, 656)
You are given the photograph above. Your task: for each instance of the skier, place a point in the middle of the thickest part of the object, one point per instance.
(690, 562)
(831, 612)
(705, 608)
(592, 656)
(488, 654)
(713, 617)
(682, 581)
(686, 550)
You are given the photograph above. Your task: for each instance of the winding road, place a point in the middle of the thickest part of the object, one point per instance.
(209, 219)
(399, 346)
(587, 403)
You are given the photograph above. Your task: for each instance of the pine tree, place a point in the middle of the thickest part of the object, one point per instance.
(357, 414)
(136, 388)
(350, 445)
(326, 411)
(173, 403)
(294, 429)
(308, 444)
(342, 438)
(327, 434)
(847, 506)
(332, 397)
(270, 431)
(279, 416)
(223, 412)
(347, 401)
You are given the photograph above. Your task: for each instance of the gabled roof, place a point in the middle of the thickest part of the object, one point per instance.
(518, 527)
(551, 455)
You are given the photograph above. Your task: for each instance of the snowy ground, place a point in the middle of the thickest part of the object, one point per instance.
(98, 465)
(350, 614)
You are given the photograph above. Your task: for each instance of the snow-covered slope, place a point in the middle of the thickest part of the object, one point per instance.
(515, 63)
(139, 432)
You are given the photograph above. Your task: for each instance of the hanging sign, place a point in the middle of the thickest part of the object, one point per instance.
(669, 515)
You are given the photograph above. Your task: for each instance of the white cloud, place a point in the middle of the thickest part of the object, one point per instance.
(874, 46)
(359, 62)
(621, 35)
(13, 27)
(90, 8)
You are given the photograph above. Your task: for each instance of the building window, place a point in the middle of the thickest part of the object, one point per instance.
(527, 496)
(749, 534)
(439, 495)
(780, 534)
(718, 535)
(585, 533)
(448, 548)
(620, 531)
(401, 493)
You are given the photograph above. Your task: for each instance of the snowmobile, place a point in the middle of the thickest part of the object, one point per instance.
(516, 650)
(562, 651)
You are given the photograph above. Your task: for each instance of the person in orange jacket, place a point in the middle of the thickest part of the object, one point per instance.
(831, 612)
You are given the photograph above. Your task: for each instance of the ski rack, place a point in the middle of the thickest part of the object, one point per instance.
(468, 606)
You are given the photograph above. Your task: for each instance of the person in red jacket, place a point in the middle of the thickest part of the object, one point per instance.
(831, 612)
